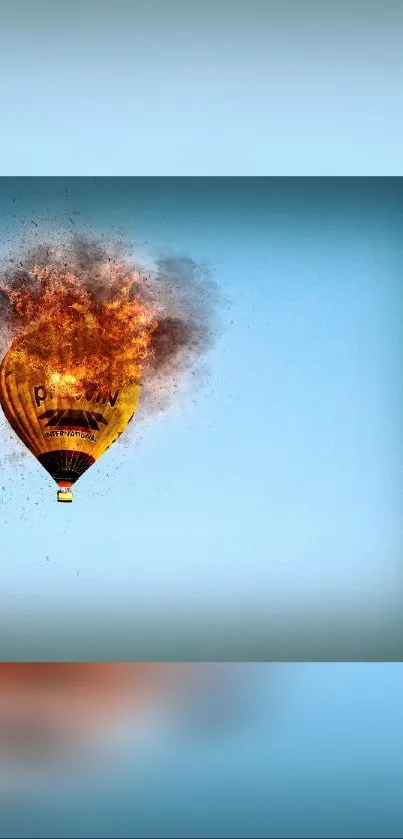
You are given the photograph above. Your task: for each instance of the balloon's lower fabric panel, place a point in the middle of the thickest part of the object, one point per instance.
(65, 465)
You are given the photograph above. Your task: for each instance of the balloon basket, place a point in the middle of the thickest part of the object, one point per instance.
(65, 494)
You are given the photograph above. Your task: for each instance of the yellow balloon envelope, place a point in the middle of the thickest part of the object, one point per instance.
(66, 428)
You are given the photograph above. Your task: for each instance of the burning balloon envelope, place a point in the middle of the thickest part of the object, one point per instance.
(70, 382)
(85, 333)
(65, 425)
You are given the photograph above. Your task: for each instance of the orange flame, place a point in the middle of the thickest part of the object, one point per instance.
(85, 315)
(79, 335)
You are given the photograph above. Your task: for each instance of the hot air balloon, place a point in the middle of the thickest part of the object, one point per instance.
(65, 423)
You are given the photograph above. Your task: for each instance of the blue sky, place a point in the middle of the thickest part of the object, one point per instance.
(213, 88)
(272, 491)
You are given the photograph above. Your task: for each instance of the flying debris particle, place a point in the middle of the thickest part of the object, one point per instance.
(34, 222)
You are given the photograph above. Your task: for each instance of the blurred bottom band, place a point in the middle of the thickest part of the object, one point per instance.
(201, 750)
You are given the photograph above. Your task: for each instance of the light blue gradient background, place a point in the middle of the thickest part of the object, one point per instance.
(174, 87)
(315, 750)
(260, 518)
